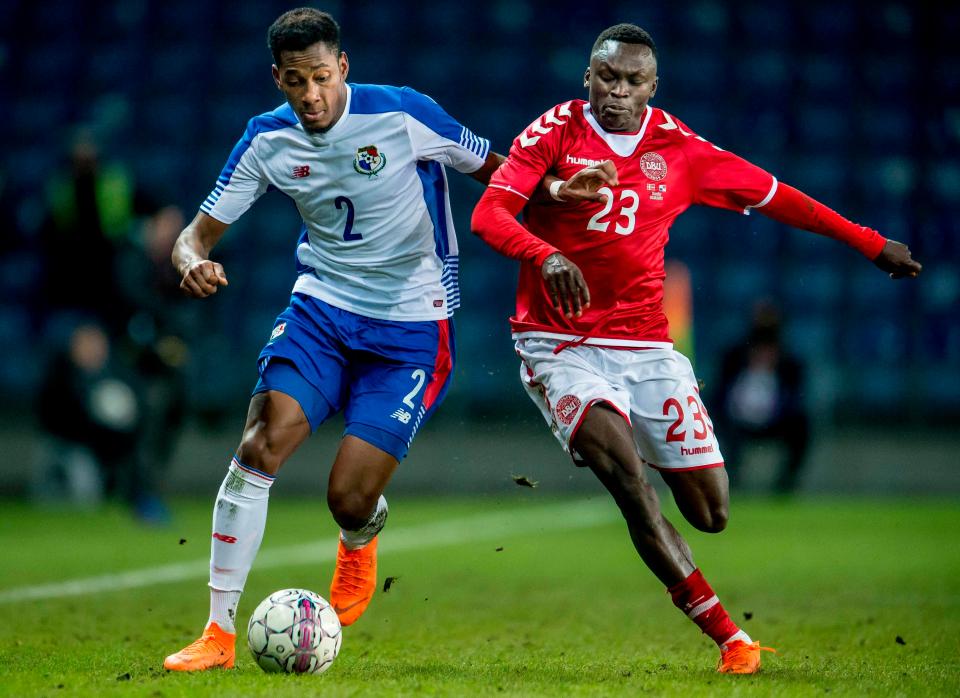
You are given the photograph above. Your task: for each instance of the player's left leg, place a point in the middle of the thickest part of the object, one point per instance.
(358, 478)
(703, 498)
(399, 376)
(675, 436)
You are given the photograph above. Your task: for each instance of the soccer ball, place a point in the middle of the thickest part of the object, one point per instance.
(296, 631)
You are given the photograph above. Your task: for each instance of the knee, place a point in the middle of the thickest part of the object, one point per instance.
(351, 510)
(712, 519)
(260, 448)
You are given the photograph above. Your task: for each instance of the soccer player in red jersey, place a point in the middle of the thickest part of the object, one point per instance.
(596, 356)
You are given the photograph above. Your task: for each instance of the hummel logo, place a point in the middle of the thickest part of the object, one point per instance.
(582, 161)
(301, 171)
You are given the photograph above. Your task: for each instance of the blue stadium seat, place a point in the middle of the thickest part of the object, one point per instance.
(940, 290)
(822, 174)
(879, 339)
(884, 129)
(824, 125)
(832, 24)
(874, 387)
(940, 386)
(868, 287)
(811, 288)
(812, 335)
(743, 281)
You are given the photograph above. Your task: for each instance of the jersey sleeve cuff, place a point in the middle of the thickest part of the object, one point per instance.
(872, 244)
(542, 255)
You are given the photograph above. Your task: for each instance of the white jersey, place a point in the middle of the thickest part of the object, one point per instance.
(377, 236)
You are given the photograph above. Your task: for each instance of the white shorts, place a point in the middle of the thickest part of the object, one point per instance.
(654, 389)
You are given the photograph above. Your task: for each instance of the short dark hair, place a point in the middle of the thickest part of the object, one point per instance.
(301, 28)
(628, 34)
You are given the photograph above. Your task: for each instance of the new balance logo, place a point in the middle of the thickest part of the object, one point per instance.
(402, 416)
(545, 124)
(301, 171)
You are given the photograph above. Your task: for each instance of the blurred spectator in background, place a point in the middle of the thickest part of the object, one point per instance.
(106, 248)
(761, 399)
(153, 343)
(92, 414)
(89, 209)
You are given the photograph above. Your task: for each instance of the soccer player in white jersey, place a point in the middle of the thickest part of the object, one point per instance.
(595, 352)
(368, 329)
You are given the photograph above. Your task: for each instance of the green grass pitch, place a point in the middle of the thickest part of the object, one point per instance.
(519, 595)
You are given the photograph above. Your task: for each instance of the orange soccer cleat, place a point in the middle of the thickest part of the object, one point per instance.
(215, 648)
(741, 657)
(354, 581)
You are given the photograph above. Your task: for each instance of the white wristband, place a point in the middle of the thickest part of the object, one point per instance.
(555, 189)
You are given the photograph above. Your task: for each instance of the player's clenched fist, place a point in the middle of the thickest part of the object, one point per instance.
(202, 278)
(895, 258)
(566, 285)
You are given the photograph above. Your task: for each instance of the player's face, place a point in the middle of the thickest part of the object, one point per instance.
(314, 83)
(621, 78)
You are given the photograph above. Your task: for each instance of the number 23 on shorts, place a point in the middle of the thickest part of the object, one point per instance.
(702, 425)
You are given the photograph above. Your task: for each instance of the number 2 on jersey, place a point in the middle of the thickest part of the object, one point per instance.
(627, 210)
(348, 233)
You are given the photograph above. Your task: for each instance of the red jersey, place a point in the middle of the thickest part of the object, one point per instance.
(618, 245)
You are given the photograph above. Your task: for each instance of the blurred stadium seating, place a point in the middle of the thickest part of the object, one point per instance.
(855, 104)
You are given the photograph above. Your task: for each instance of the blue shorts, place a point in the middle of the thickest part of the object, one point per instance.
(387, 376)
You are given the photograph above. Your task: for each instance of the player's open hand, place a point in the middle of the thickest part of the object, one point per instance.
(895, 258)
(584, 185)
(202, 278)
(566, 285)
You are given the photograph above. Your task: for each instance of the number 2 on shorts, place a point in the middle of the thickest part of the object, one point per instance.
(421, 377)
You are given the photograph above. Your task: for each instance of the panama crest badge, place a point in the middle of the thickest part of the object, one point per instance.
(369, 160)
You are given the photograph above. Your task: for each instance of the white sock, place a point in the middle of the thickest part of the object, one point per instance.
(739, 635)
(239, 518)
(367, 532)
(223, 609)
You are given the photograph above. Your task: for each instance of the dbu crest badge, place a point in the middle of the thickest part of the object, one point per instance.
(369, 160)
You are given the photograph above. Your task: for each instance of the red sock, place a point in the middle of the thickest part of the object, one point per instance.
(694, 597)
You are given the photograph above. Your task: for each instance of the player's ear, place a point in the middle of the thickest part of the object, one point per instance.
(653, 90)
(586, 77)
(344, 65)
(276, 76)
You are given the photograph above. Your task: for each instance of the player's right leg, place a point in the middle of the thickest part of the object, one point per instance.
(301, 379)
(275, 426)
(605, 443)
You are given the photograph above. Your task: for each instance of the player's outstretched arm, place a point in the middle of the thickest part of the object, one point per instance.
(793, 207)
(200, 276)
(584, 185)
(896, 260)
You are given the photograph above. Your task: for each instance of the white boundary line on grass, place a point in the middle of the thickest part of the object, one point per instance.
(509, 521)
